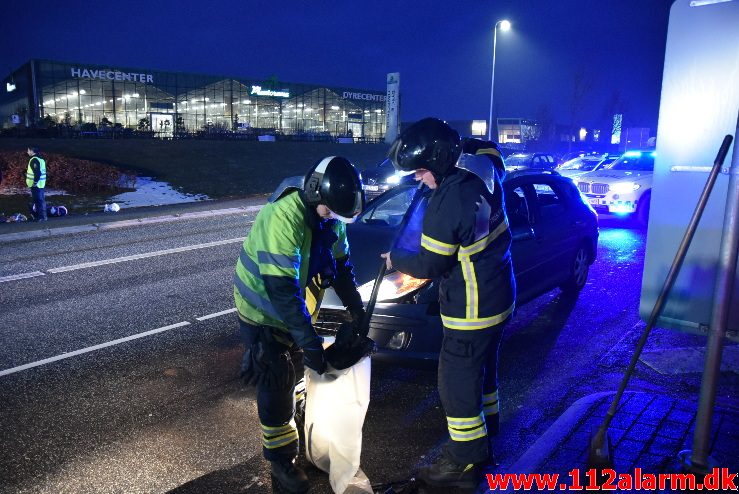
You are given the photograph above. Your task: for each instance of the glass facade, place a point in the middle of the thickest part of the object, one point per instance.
(169, 104)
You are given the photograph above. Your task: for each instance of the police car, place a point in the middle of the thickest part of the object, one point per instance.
(622, 188)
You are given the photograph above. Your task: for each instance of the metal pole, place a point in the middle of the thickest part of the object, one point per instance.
(599, 446)
(492, 84)
(722, 293)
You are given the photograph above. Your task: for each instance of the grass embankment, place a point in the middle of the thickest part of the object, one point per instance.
(218, 169)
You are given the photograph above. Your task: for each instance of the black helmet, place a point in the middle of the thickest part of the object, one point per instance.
(429, 143)
(335, 182)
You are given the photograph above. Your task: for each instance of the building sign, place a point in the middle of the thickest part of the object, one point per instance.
(258, 91)
(392, 105)
(111, 75)
(363, 96)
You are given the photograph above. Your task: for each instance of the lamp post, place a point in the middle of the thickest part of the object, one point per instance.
(505, 25)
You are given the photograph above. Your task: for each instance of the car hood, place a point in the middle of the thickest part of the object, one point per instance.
(612, 176)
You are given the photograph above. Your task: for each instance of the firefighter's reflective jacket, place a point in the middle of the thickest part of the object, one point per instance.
(274, 267)
(36, 172)
(466, 243)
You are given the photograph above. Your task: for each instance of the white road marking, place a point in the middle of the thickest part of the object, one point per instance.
(21, 276)
(134, 257)
(216, 314)
(63, 356)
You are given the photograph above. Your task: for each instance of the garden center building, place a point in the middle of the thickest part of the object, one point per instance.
(170, 103)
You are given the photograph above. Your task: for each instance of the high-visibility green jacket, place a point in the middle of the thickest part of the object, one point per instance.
(36, 172)
(273, 270)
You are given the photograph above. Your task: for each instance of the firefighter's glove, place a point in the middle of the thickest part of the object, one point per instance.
(344, 354)
(315, 358)
(345, 334)
(358, 316)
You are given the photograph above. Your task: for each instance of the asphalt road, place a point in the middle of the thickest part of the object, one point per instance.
(120, 355)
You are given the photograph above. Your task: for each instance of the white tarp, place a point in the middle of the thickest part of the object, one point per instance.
(336, 405)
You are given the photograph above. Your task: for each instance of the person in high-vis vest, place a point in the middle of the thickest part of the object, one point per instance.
(36, 181)
(465, 243)
(296, 246)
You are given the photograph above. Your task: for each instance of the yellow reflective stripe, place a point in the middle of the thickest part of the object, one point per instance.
(481, 244)
(490, 397)
(280, 429)
(491, 409)
(470, 283)
(492, 151)
(463, 323)
(466, 428)
(469, 435)
(279, 441)
(465, 422)
(275, 437)
(438, 247)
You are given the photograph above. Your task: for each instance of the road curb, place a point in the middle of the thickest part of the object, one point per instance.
(542, 449)
(53, 232)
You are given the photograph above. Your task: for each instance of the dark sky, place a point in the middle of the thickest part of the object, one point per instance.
(442, 49)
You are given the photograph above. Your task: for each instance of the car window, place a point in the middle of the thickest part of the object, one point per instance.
(517, 209)
(389, 209)
(635, 161)
(551, 204)
(518, 160)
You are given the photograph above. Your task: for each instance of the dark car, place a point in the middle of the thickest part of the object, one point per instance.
(381, 178)
(555, 235)
(530, 161)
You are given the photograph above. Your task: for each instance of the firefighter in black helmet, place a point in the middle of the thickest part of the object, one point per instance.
(297, 243)
(466, 243)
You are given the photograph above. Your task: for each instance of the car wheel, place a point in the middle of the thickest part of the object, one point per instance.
(642, 211)
(579, 269)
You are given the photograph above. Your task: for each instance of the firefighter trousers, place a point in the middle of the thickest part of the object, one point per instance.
(273, 366)
(468, 387)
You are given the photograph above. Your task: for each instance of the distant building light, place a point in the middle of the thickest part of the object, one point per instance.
(10, 86)
(257, 90)
(583, 133)
(479, 127)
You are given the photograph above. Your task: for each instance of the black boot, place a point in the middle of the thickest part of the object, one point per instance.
(445, 472)
(288, 477)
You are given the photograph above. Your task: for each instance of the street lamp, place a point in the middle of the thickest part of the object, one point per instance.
(505, 25)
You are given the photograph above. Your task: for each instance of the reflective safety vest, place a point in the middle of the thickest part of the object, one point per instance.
(466, 243)
(278, 244)
(31, 175)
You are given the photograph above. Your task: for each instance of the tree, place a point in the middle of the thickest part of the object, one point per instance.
(143, 124)
(581, 88)
(547, 138)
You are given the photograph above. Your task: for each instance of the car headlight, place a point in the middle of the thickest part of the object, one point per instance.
(393, 179)
(394, 286)
(624, 187)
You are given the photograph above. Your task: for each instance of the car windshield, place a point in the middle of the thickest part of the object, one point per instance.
(583, 164)
(635, 161)
(386, 164)
(518, 160)
(389, 208)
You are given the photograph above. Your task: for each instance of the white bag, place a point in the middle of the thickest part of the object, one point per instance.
(334, 414)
